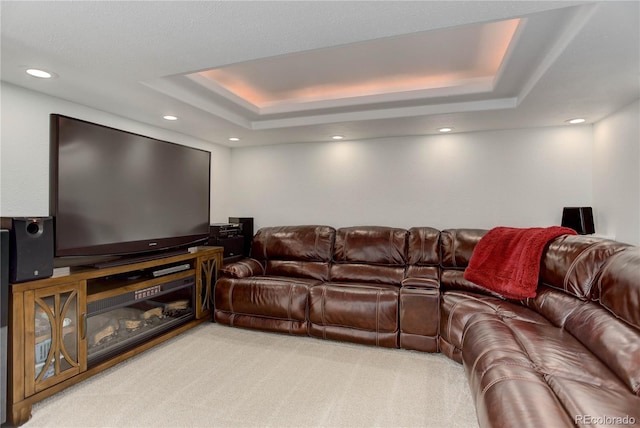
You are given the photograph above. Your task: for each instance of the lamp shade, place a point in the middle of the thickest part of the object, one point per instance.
(579, 219)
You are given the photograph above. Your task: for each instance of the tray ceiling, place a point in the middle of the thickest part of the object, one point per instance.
(280, 72)
(461, 60)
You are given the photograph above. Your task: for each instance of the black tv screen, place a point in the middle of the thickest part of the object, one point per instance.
(116, 193)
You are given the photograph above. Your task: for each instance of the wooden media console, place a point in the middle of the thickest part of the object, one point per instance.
(82, 321)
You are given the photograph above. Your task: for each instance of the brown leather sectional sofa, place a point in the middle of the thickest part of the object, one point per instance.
(568, 357)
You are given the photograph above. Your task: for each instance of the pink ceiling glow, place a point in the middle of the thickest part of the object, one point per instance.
(450, 58)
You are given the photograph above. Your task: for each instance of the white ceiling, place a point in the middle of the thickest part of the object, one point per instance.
(278, 72)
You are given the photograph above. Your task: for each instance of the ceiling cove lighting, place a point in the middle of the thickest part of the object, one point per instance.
(170, 117)
(337, 137)
(41, 74)
(445, 129)
(576, 121)
(234, 139)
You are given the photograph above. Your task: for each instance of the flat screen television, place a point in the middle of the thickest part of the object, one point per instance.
(118, 193)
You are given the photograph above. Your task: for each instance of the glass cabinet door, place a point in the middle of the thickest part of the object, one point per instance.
(207, 271)
(55, 345)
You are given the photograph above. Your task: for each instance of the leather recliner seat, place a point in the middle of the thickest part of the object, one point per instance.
(360, 301)
(270, 291)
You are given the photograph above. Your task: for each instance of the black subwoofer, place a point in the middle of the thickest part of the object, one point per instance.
(30, 247)
(233, 246)
(247, 232)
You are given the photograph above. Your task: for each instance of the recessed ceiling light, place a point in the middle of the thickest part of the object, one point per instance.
(234, 139)
(445, 129)
(576, 121)
(338, 137)
(169, 117)
(39, 73)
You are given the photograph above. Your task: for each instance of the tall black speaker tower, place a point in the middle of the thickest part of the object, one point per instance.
(247, 232)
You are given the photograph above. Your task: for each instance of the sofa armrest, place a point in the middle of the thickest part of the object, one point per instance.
(242, 269)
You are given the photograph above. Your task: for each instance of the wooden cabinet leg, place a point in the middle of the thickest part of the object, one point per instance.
(18, 414)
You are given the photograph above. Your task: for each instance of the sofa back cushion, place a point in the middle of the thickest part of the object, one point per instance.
(618, 290)
(300, 251)
(571, 263)
(618, 286)
(555, 305)
(456, 247)
(369, 254)
(371, 245)
(423, 253)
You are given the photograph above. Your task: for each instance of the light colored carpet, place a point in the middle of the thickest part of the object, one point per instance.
(217, 376)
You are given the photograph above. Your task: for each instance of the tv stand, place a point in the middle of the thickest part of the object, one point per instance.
(73, 325)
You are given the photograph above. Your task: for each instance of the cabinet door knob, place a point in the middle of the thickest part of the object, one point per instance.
(83, 331)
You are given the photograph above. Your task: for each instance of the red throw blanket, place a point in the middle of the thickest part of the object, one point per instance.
(507, 260)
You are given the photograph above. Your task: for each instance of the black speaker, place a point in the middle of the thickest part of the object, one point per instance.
(579, 219)
(233, 247)
(247, 232)
(30, 247)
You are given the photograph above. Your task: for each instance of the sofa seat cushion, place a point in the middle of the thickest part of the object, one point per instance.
(541, 359)
(367, 274)
(549, 350)
(612, 340)
(506, 385)
(453, 279)
(525, 400)
(590, 404)
(609, 337)
(457, 307)
(358, 312)
(264, 296)
(519, 398)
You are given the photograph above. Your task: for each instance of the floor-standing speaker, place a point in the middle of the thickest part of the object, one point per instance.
(4, 319)
(30, 247)
(247, 232)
